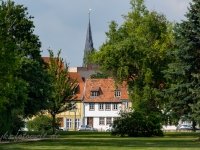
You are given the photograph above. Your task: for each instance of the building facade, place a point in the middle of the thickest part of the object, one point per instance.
(103, 102)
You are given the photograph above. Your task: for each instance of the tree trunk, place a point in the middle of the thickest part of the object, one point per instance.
(53, 123)
(193, 126)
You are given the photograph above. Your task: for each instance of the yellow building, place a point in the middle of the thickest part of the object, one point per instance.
(72, 119)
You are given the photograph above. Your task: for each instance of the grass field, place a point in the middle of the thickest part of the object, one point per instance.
(104, 141)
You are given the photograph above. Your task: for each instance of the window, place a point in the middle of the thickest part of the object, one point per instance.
(117, 93)
(94, 93)
(108, 120)
(77, 123)
(101, 106)
(115, 106)
(101, 121)
(91, 106)
(69, 123)
(107, 106)
(126, 104)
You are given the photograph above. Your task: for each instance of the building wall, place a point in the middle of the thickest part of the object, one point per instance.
(96, 114)
(78, 114)
(85, 72)
(72, 69)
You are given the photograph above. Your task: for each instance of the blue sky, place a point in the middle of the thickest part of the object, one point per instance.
(62, 24)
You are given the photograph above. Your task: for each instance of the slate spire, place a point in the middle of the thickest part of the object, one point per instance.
(88, 42)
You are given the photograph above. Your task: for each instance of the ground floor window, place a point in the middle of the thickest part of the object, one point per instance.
(108, 120)
(69, 123)
(77, 123)
(101, 121)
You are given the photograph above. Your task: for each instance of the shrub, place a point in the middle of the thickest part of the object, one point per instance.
(137, 124)
(40, 123)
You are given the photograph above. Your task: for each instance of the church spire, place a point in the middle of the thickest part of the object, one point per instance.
(88, 42)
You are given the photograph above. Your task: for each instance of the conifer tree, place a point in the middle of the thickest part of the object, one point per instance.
(185, 72)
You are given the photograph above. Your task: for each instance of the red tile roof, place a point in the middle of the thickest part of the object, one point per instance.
(79, 91)
(74, 76)
(106, 90)
(47, 60)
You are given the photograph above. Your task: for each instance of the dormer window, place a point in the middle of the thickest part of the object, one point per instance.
(117, 93)
(94, 93)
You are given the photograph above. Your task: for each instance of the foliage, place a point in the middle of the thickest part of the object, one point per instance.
(137, 124)
(39, 123)
(98, 75)
(183, 74)
(24, 81)
(137, 52)
(63, 86)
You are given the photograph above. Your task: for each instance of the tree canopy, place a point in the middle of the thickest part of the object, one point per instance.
(136, 52)
(184, 72)
(63, 92)
(24, 80)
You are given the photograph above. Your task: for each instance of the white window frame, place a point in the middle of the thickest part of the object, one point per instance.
(101, 106)
(77, 122)
(108, 120)
(68, 123)
(91, 106)
(115, 106)
(108, 106)
(117, 93)
(126, 104)
(101, 121)
(94, 93)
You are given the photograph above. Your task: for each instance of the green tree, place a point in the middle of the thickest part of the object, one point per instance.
(63, 87)
(98, 75)
(32, 67)
(39, 123)
(184, 72)
(137, 124)
(137, 52)
(24, 81)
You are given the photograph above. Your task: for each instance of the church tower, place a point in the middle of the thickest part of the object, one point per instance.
(88, 42)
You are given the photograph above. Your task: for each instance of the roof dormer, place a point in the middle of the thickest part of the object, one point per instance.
(117, 93)
(94, 91)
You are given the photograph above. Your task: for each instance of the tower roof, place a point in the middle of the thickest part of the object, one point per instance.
(88, 42)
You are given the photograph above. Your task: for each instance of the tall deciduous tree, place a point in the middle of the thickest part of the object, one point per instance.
(185, 72)
(63, 87)
(137, 52)
(24, 81)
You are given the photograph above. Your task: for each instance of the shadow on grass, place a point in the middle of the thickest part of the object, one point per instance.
(89, 140)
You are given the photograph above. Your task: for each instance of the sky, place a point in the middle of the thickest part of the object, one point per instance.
(62, 24)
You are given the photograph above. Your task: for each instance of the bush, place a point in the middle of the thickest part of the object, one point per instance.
(40, 123)
(10, 122)
(136, 124)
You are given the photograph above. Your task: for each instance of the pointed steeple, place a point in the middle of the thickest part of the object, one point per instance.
(88, 42)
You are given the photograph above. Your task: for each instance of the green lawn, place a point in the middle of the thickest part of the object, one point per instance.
(103, 141)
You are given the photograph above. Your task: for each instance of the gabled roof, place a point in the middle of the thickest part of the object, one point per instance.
(106, 91)
(80, 87)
